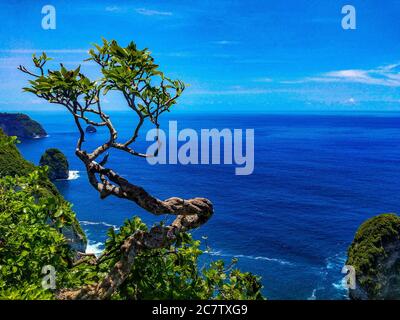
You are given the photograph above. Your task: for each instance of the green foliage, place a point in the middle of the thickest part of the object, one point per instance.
(13, 164)
(29, 232)
(69, 83)
(125, 69)
(56, 162)
(368, 248)
(174, 272)
(30, 239)
(129, 70)
(11, 161)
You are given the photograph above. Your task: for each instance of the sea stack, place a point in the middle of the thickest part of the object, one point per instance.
(375, 256)
(21, 125)
(91, 129)
(57, 163)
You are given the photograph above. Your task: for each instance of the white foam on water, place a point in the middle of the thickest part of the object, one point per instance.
(94, 247)
(73, 175)
(92, 223)
(313, 296)
(40, 137)
(336, 262)
(340, 285)
(219, 253)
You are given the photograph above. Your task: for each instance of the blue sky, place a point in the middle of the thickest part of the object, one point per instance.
(237, 56)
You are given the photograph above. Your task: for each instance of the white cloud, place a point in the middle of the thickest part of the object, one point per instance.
(177, 54)
(264, 80)
(36, 101)
(232, 90)
(149, 12)
(11, 62)
(192, 54)
(350, 101)
(388, 75)
(113, 9)
(225, 42)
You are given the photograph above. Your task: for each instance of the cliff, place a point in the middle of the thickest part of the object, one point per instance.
(13, 164)
(57, 163)
(375, 255)
(20, 125)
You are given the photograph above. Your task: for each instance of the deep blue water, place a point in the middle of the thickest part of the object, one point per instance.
(316, 179)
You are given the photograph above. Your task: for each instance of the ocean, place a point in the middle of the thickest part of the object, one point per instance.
(316, 179)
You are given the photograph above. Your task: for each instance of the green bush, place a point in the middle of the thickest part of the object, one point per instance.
(30, 239)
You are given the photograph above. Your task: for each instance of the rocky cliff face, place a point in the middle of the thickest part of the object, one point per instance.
(20, 125)
(375, 255)
(57, 164)
(76, 240)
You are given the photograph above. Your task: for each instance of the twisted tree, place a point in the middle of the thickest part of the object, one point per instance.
(148, 93)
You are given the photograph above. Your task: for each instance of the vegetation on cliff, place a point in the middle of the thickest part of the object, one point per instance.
(375, 255)
(57, 163)
(11, 161)
(30, 237)
(21, 125)
(13, 164)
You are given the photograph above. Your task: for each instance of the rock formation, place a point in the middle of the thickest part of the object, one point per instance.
(20, 125)
(375, 255)
(91, 129)
(57, 163)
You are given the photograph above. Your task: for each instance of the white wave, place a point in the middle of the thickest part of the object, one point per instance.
(94, 247)
(341, 286)
(73, 175)
(313, 296)
(92, 223)
(40, 137)
(336, 262)
(219, 253)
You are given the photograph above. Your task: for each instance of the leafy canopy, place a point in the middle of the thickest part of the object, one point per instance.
(128, 70)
